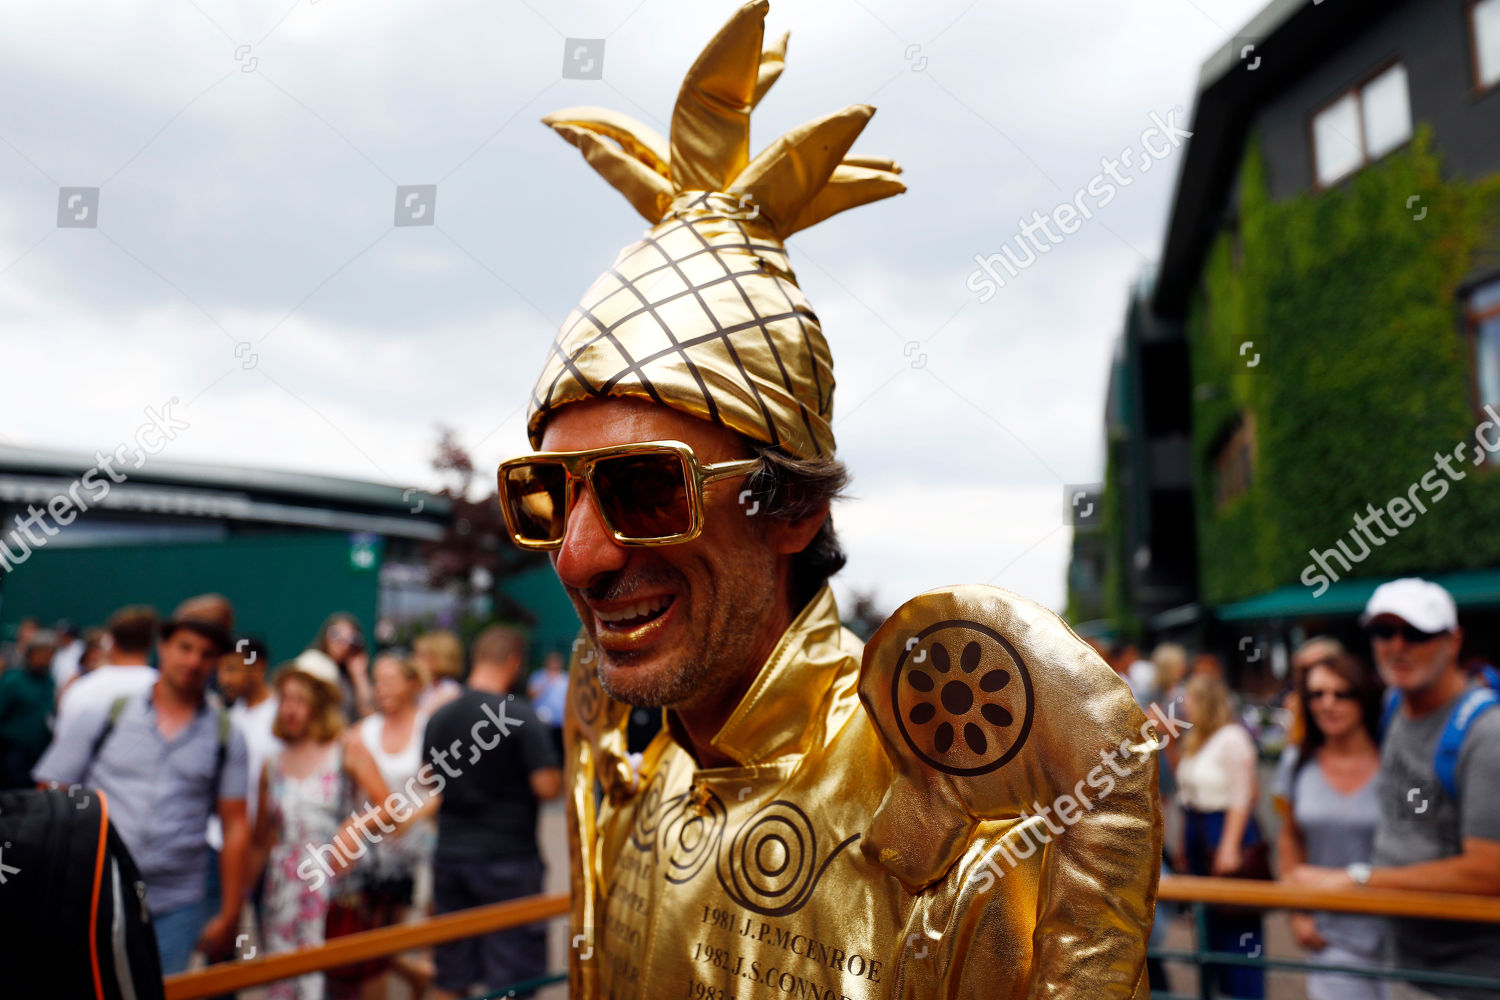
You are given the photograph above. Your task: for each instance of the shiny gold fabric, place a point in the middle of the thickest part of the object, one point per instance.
(857, 848)
(703, 313)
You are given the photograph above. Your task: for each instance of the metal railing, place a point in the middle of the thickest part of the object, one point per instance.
(1202, 893)
(1199, 893)
(227, 977)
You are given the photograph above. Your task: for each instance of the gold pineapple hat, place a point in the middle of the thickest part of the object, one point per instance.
(703, 313)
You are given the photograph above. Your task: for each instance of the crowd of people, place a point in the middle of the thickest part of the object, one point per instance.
(274, 808)
(343, 791)
(1388, 780)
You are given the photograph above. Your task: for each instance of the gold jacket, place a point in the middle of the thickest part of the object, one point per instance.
(969, 809)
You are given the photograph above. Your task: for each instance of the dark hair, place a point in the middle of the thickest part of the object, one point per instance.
(1361, 680)
(320, 641)
(133, 628)
(791, 489)
(252, 649)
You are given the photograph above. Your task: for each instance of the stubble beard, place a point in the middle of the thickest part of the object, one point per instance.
(1420, 676)
(710, 658)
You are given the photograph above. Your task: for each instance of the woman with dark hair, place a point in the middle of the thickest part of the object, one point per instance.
(1329, 785)
(343, 641)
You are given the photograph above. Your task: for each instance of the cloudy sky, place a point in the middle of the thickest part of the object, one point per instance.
(245, 261)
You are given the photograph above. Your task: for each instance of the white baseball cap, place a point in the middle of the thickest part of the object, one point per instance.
(1420, 603)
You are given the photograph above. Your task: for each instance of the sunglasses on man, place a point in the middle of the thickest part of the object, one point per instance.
(1413, 636)
(648, 493)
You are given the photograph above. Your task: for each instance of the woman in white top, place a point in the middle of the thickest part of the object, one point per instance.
(1216, 786)
(392, 735)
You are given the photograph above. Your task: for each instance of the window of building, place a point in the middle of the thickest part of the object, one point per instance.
(1483, 310)
(1386, 104)
(1362, 125)
(1336, 139)
(1484, 22)
(1234, 461)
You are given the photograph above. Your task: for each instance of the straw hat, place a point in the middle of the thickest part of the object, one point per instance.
(315, 665)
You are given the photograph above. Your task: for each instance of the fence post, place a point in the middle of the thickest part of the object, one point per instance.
(1202, 945)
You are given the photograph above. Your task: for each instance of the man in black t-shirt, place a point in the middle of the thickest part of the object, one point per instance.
(492, 762)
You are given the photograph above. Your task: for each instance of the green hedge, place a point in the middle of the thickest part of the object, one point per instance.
(1364, 372)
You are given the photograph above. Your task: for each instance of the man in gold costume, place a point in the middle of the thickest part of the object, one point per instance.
(966, 807)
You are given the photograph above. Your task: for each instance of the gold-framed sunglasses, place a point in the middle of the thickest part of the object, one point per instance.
(647, 493)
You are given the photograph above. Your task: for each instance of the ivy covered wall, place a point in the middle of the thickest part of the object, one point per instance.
(1350, 298)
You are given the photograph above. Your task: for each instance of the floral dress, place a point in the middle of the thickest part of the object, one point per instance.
(306, 813)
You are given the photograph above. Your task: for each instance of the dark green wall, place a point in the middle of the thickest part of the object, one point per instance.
(282, 586)
(538, 590)
(1119, 602)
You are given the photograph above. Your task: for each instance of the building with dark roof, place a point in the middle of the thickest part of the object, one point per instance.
(287, 548)
(1318, 354)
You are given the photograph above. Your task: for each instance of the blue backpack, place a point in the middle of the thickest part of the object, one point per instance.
(1474, 703)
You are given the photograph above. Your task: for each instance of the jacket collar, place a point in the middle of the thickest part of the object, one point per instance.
(782, 714)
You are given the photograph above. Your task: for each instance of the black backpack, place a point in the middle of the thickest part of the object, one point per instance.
(73, 917)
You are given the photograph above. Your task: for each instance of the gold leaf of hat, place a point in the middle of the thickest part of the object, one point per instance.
(703, 314)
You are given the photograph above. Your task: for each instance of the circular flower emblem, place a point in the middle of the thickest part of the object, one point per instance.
(962, 697)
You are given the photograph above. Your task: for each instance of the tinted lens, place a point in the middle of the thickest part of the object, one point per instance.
(1413, 636)
(644, 496)
(536, 495)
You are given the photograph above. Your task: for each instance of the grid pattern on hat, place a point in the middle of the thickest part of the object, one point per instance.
(672, 281)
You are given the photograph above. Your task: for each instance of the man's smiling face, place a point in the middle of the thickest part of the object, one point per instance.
(679, 626)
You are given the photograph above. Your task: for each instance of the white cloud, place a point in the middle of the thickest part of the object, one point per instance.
(914, 536)
(236, 203)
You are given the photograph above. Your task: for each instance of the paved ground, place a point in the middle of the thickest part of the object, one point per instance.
(552, 833)
(1279, 944)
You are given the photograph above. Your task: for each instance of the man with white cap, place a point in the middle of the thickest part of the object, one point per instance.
(1439, 827)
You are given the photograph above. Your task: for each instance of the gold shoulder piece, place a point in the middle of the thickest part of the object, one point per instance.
(1009, 736)
(991, 708)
